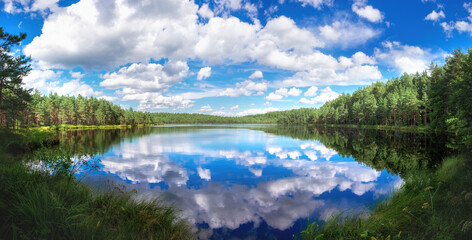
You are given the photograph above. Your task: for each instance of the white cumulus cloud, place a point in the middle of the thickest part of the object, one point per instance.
(256, 74)
(204, 73)
(206, 108)
(311, 92)
(405, 58)
(347, 34)
(140, 78)
(368, 12)
(325, 95)
(435, 16)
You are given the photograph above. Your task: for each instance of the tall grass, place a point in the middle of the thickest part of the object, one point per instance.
(39, 204)
(430, 205)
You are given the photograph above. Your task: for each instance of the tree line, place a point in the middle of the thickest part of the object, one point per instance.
(439, 98)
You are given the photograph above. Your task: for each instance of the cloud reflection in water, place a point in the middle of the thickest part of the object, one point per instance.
(246, 176)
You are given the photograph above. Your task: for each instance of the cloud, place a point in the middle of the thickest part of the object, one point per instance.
(360, 58)
(153, 101)
(76, 75)
(435, 16)
(316, 3)
(273, 96)
(460, 26)
(347, 34)
(205, 11)
(448, 28)
(30, 6)
(49, 81)
(329, 33)
(230, 39)
(283, 92)
(256, 74)
(225, 40)
(42, 80)
(254, 111)
(206, 108)
(145, 78)
(251, 9)
(95, 35)
(234, 108)
(98, 34)
(224, 7)
(251, 111)
(246, 88)
(325, 95)
(311, 92)
(294, 92)
(322, 151)
(405, 58)
(76, 87)
(204, 73)
(357, 70)
(204, 173)
(256, 172)
(368, 12)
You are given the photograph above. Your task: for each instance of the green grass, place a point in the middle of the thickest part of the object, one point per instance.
(430, 205)
(38, 204)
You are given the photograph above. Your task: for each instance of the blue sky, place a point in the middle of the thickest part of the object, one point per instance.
(230, 57)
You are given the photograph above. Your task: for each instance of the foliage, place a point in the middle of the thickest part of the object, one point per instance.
(13, 98)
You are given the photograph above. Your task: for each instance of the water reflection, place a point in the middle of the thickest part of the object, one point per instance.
(238, 182)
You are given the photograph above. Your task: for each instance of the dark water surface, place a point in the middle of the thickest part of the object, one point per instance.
(253, 181)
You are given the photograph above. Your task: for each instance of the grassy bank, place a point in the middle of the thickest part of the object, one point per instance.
(38, 204)
(379, 127)
(430, 205)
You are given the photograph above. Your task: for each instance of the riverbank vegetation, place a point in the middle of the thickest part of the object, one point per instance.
(42, 199)
(430, 205)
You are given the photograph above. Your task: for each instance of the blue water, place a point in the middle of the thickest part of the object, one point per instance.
(241, 183)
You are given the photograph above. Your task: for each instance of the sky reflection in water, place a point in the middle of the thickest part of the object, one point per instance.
(240, 182)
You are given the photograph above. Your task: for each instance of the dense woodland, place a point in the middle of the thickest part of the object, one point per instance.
(439, 99)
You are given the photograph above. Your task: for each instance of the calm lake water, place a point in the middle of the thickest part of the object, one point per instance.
(253, 181)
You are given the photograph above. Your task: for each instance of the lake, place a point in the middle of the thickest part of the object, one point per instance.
(255, 181)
